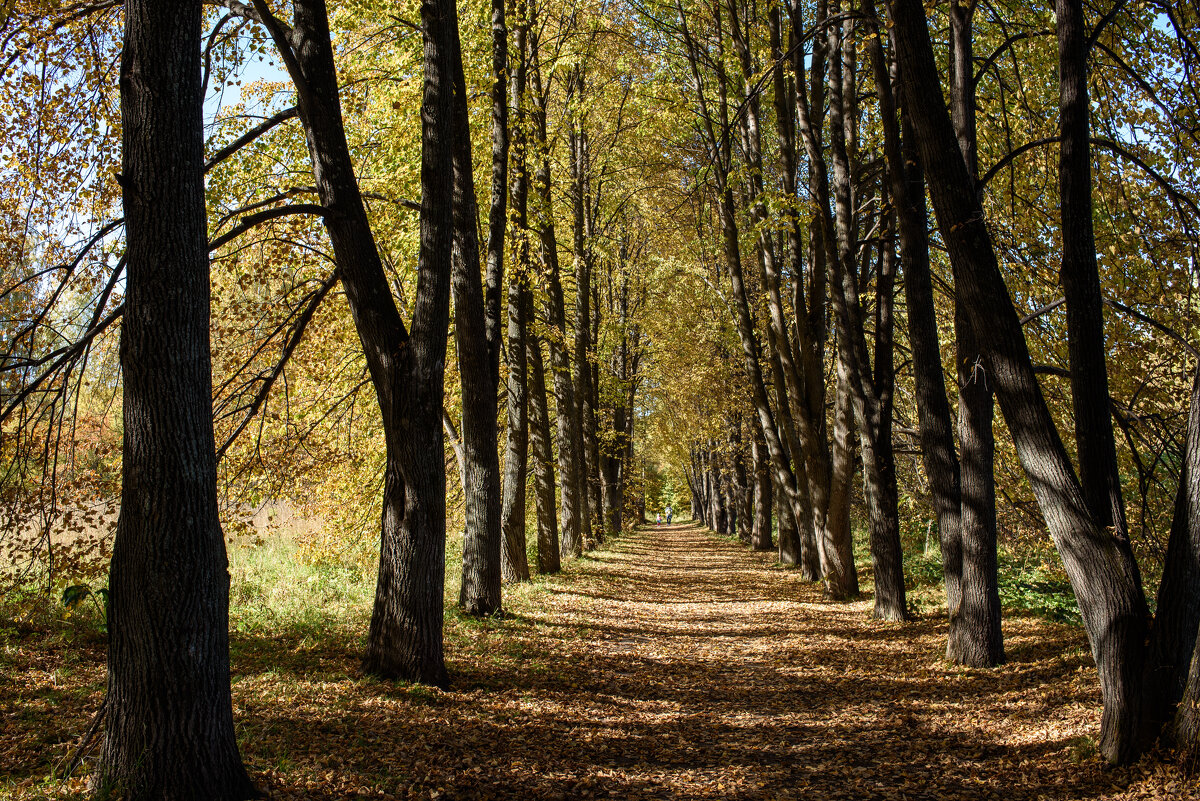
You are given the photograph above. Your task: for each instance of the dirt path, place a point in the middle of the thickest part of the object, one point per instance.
(672, 664)
(705, 672)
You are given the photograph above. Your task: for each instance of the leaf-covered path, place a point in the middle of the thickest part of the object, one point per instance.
(675, 664)
(670, 664)
(702, 671)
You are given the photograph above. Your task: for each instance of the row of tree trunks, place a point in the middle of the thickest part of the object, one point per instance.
(1103, 574)
(800, 115)
(871, 389)
(570, 437)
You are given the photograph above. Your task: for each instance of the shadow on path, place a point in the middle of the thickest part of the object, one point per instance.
(675, 664)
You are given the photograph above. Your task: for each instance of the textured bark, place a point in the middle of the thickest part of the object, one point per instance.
(830, 514)
(975, 637)
(782, 354)
(939, 458)
(871, 389)
(760, 533)
(569, 435)
(839, 541)
(1174, 636)
(514, 560)
(168, 730)
(582, 234)
(1101, 569)
(1094, 442)
(481, 569)
(541, 438)
(1186, 734)
(405, 637)
(407, 371)
(497, 210)
(788, 541)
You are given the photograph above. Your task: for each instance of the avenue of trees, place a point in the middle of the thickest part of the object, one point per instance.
(464, 275)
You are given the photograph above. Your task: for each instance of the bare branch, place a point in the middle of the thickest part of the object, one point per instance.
(268, 381)
(248, 137)
(252, 220)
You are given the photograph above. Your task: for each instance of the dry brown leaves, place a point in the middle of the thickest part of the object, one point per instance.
(672, 665)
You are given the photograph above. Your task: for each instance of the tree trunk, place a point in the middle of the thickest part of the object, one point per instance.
(1101, 569)
(515, 561)
(939, 458)
(1186, 735)
(1080, 277)
(168, 729)
(569, 437)
(975, 636)
(481, 569)
(541, 437)
(584, 412)
(739, 486)
(760, 533)
(975, 633)
(1174, 635)
(788, 540)
(871, 390)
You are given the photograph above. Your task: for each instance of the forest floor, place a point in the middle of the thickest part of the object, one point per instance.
(669, 664)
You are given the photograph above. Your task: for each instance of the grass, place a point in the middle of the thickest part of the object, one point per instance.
(298, 621)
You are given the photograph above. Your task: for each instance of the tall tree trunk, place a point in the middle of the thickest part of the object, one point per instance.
(784, 370)
(933, 409)
(760, 533)
(584, 412)
(569, 437)
(541, 437)
(810, 303)
(1174, 635)
(1102, 571)
(870, 389)
(515, 562)
(168, 731)
(975, 634)
(1094, 443)
(405, 637)
(481, 569)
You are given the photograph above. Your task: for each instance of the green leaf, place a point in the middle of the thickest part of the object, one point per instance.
(74, 595)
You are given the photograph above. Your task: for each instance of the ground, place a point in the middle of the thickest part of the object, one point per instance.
(669, 664)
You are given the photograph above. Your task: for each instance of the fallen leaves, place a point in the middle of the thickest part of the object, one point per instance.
(672, 665)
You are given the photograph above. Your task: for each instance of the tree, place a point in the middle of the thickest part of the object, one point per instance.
(406, 368)
(169, 715)
(478, 337)
(1106, 581)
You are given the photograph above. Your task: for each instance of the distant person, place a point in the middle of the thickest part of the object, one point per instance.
(670, 512)
(658, 519)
